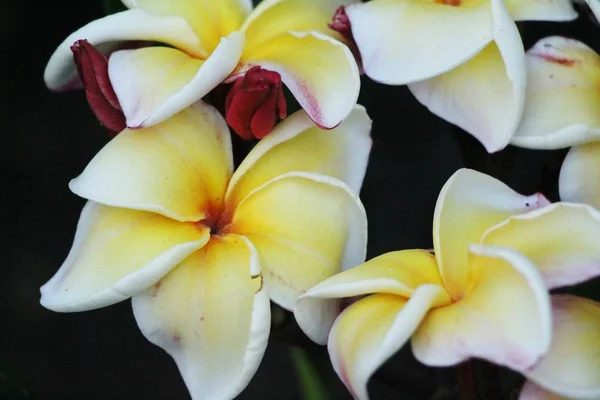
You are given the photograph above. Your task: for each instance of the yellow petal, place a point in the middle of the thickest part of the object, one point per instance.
(505, 318)
(531, 391)
(468, 204)
(272, 18)
(320, 72)
(306, 227)
(296, 144)
(118, 253)
(179, 168)
(212, 316)
(578, 180)
(371, 330)
(405, 41)
(399, 273)
(484, 96)
(154, 83)
(572, 366)
(61, 73)
(210, 19)
(541, 10)
(563, 106)
(561, 239)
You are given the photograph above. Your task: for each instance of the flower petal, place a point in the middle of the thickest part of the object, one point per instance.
(505, 319)
(60, 72)
(296, 144)
(397, 272)
(306, 227)
(485, 96)
(572, 366)
(531, 391)
(212, 316)
(407, 41)
(541, 10)
(116, 254)
(155, 83)
(578, 181)
(371, 330)
(179, 168)
(563, 107)
(320, 72)
(595, 7)
(469, 203)
(271, 18)
(561, 239)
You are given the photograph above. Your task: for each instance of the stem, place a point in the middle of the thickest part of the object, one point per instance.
(467, 386)
(311, 387)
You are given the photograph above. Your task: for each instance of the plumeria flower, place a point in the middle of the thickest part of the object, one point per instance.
(462, 59)
(201, 249)
(206, 42)
(562, 110)
(483, 294)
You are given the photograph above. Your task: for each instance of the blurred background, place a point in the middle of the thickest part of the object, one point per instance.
(48, 140)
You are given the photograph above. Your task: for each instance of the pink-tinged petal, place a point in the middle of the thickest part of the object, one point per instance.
(118, 253)
(561, 239)
(505, 318)
(469, 203)
(320, 72)
(531, 391)
(60, 72)
(398, 272)
(484, 96)
(563, 106)
(578, 181)
(212, 316)
(155, 83)
(306, 227)
(541, 10)
(371, 330)
(296, 144)
(572, 366)
(406, 41)
(179, 168)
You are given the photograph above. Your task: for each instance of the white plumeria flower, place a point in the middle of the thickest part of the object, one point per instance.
(462, 59)
(201, 249)
(209, 41)
(563, 110)
(483, 294)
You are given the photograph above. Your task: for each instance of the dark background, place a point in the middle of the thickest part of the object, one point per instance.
(48, 140)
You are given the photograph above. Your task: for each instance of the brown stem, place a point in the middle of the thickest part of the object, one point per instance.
(467, 386)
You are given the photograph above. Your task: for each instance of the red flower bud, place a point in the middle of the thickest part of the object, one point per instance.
(341, 24)
(92, 67)
(254, 102)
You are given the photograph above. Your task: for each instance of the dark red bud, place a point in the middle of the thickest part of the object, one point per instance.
(341, 24)
(254, 102)
(92, 67)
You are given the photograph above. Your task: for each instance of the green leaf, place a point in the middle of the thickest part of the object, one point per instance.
(112, 6)
(311, 387)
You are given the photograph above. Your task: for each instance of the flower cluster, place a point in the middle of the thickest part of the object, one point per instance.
(201, 246)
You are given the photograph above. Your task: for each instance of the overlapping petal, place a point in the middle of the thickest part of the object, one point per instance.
(371, 330)
(212, 316)
(563, 106)
(306, 227)
(505, 318)
(531, 391)
(60, 72)
(404, 41)
(541, 10)
(118, 253)
(484, 96)
(210, 19)
(572, 366)
(154, 83)
(469, 203)
(320, 72)
(179, 168)
(399, 273)
(578, 181)
(561, 239)
(595, 7)
(296, 144)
